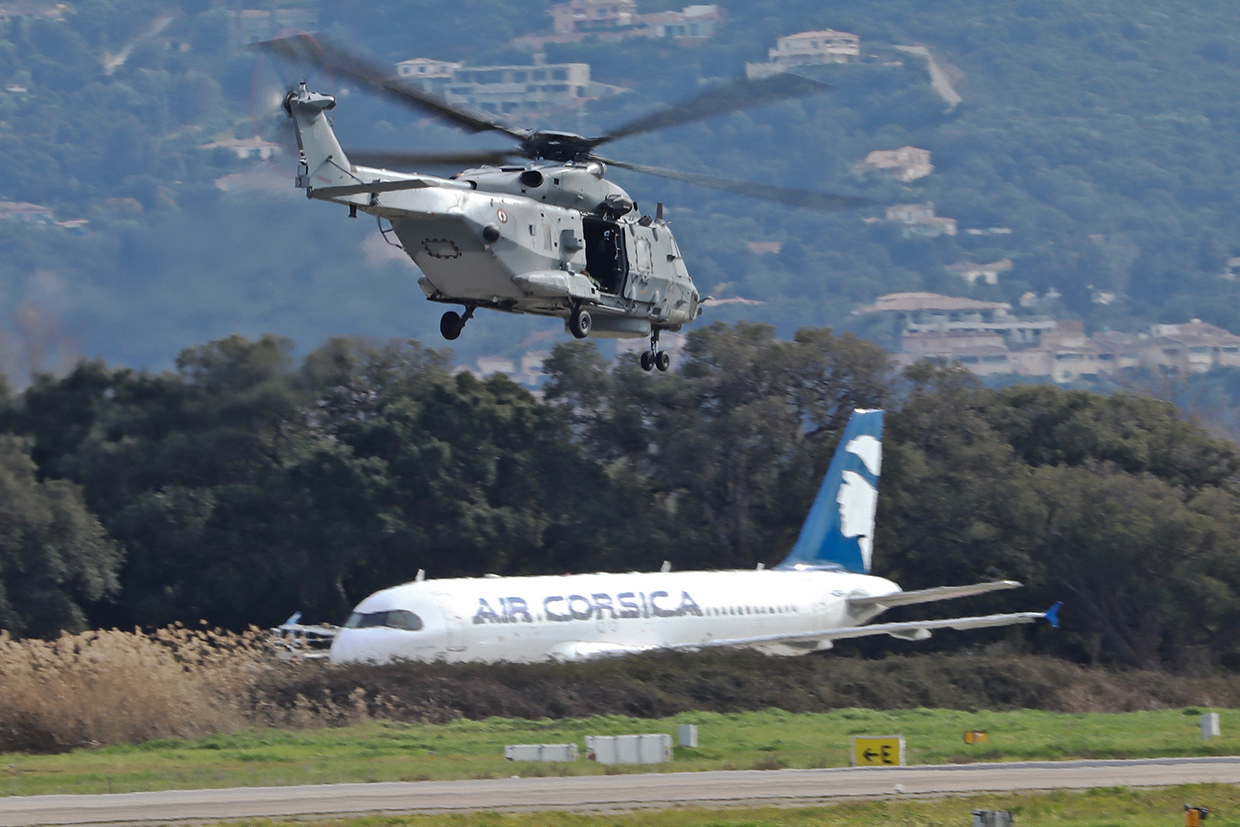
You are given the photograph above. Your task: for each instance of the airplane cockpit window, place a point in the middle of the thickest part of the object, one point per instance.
(395, 619)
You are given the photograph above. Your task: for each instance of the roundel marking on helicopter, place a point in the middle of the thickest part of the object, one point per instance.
(441, 248)
(502, 215)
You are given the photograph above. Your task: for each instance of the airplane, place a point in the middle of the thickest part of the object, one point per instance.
(822, 592)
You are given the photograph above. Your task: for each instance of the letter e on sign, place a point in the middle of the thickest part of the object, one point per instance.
(878, 750)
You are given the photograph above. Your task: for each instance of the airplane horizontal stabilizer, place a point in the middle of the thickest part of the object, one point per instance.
(913, 630)
(888, 601)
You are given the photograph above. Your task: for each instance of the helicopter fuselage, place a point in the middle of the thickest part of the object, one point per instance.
(543, 238)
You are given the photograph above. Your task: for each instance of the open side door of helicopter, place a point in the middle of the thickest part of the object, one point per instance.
(607, 260)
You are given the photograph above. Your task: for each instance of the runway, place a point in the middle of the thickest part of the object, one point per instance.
(609, 792)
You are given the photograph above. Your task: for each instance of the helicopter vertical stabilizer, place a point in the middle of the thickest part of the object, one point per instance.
(324, 161)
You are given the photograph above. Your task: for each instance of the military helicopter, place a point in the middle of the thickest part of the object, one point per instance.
(535, 229)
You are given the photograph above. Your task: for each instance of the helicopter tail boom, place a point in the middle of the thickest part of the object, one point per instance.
(324, 163)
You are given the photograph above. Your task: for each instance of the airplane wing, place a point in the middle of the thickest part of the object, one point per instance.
(888, 601)
(575, 650)
(912, 630)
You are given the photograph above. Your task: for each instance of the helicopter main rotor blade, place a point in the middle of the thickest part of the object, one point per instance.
(805, 199)
(732, 97)
(321, 52)
(413, 160)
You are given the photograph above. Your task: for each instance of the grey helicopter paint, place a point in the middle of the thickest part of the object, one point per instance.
(551, 235)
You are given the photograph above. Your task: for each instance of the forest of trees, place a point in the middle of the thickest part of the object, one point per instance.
(246, 484)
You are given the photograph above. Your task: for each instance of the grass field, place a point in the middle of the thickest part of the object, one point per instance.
(1095, 808)
(384, 751)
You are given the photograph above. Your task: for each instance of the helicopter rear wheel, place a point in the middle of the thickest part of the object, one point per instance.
(647, 360)
(662, 361)
(451, 324)
(579, 322)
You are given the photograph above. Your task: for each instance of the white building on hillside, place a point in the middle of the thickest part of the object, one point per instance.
(506, 90)
(908, 163)
(807, 49)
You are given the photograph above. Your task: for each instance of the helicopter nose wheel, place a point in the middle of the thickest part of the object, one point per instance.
(452, 323)
(655, 358)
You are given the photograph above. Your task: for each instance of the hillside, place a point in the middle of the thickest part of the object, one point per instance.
(1100, 132)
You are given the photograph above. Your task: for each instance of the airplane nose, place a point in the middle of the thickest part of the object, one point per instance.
(344, 647)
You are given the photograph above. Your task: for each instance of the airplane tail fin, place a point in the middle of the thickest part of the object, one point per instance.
(839, 531)
(324, 163)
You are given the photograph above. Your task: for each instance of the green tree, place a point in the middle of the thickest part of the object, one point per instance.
(55, 558)
(732, 445)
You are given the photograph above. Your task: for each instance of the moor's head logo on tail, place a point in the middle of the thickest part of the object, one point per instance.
(839, 531)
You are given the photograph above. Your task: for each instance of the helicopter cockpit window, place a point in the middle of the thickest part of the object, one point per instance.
(606, 260)
(395, 619)
(645, 260)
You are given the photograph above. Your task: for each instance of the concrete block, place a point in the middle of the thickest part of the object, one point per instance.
(541, 752)
(629, 749)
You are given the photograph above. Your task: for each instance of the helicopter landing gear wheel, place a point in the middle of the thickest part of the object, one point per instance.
(655, 358)
(452, 323)
(579, 322)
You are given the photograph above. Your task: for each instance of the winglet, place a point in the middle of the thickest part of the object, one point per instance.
(1052, 615)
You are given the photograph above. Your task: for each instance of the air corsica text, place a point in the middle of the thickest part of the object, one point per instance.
(588, 607)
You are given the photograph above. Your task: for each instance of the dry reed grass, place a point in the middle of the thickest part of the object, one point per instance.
(109, 687)
(113, 687)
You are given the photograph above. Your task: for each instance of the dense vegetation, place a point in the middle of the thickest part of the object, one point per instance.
(1100, 132)
(244, 486)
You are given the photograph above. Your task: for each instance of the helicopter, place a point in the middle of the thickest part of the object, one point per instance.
(537, 229)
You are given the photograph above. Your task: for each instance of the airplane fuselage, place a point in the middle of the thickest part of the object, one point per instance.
(577, 617)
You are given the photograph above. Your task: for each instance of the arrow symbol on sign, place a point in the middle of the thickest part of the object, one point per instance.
(869, 755)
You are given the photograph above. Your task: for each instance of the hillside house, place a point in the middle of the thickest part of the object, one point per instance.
(935, 313)
(986, 273)
(615, 20)
(985, 354)
(1193, 347)
(807, 49)
(1065, 353)
(908, 163)
(583, 16)
(427, 68)
(919, 221)
(505, 90)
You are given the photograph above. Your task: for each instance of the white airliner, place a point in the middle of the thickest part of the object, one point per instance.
(822, 592)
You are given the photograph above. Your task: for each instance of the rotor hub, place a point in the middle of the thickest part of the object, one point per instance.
(560, 147)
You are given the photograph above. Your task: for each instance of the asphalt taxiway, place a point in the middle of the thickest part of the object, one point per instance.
(610, 792)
